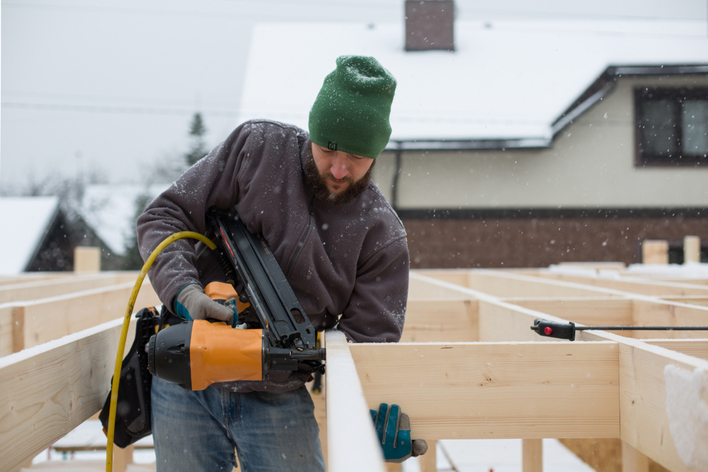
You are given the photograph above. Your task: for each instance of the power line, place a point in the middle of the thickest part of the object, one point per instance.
(328, 4)
(115, 109)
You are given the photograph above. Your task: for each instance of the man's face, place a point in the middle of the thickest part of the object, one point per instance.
(340, 176)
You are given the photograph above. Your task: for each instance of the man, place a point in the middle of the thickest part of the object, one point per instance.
(338, 241)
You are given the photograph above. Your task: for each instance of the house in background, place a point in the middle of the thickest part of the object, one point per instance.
(38, 236)
(519, 143)
(112, 210)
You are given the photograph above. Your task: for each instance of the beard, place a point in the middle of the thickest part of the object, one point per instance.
(319, 187)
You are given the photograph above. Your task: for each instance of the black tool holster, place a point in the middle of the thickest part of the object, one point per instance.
(133, 408)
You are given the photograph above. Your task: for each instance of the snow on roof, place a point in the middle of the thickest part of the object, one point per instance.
(26, 221)
(110, 211)
(507, 79)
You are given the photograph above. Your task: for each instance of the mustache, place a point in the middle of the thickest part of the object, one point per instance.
(346, 178)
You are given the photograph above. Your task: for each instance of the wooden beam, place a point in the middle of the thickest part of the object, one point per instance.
(420, 289)
(48, 390)
(633, 460)
(441, 320)
(655, 252)
(32, 290)
(7, 333)
(428, 462)
(661, 313)
(505, 284)
(648, 395)
(87, 259)
(351, 439)
(691, 249)
(532, 455)
(632, 285)
(587, 311)
(38, 276)
(495, 390)
(691, 347)
(43, 320)
(689, 300)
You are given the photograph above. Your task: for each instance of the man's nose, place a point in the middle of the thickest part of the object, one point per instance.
(339, 167)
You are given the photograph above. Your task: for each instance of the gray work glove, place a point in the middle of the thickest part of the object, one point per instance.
(193, 304)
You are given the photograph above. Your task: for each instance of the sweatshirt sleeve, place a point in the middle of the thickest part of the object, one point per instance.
(377, 309)
(212, 181)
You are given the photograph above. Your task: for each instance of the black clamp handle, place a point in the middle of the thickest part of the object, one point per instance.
(554, 329)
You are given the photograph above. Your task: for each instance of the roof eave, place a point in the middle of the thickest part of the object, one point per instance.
(592, 95)
(607, 80)
(467, 144)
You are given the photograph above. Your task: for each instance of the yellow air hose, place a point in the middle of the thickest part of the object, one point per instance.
(124, 333)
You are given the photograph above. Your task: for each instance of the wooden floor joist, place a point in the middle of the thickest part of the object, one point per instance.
(469, 366)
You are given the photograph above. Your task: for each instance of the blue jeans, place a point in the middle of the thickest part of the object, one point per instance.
(198, 431)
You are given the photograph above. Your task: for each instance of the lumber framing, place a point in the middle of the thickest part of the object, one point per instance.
(468, 366)
(50, 389)
(29, 323)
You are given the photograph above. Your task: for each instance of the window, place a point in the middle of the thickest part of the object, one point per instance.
(671, 126)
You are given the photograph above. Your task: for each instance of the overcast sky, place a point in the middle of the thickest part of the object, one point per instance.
(108, 87)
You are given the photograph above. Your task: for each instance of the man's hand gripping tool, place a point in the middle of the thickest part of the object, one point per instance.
(197, 353)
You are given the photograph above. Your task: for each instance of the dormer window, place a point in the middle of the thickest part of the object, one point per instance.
(671, 126)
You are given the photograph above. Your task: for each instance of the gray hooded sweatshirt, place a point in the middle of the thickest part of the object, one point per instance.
(347, 264)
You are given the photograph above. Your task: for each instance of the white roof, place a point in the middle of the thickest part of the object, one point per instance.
(110, 211)
(507, 79)
(25, 222)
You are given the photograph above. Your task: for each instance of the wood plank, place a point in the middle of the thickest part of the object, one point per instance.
(51, 318)
(87, 259)
(454, 276)
(691, 249)
(691, 347)
(496, 390)
(646, 423)
(655, 252)
(497, 320)
(633, 460)
(428, 462)
(506, 322)
(33, 290)
(587, 311)
(6, 330)
(351, 439)
(48, 390)
(660, 313)
(532, 455)
(504, 284)
(38, 276)
(632, 285)
(441, 320)
(421, 289)
(689, 300)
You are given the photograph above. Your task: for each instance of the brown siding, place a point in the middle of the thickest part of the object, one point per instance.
(539, 242)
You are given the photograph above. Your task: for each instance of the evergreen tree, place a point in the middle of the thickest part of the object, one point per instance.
(198, 148)
(132, 259)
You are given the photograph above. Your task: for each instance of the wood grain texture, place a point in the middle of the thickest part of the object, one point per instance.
(645, 424)
(51, 318)
(351, 440)
(441, 320)
(496, 390)
(49, 390)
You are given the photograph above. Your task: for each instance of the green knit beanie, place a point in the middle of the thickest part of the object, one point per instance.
(351, 111)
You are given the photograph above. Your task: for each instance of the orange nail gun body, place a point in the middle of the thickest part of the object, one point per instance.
(197, 353)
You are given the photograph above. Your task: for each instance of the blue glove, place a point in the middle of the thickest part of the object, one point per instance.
(393, 428)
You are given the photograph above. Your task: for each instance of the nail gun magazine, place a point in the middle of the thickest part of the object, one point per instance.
(197, 353)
